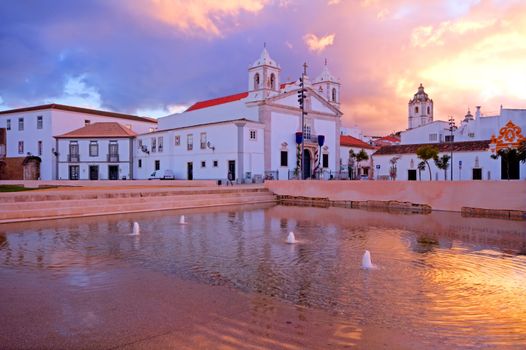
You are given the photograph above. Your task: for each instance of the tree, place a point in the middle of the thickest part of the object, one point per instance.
(442, 163)
(393, 170)
(426, 153)
(361, 156)
(350, 165)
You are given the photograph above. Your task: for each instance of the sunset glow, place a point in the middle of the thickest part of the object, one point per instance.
(156, 56)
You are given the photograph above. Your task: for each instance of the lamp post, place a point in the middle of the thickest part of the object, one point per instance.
(301, 100)
(451, 128)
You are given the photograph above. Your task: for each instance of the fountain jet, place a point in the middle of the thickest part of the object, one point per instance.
(290, 238)
(366, 261)
(136, 229)
(181, 220)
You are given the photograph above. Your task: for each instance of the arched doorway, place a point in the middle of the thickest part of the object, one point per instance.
(306, 164)
(31, 166)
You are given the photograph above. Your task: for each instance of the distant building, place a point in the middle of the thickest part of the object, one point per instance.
(348, 162)
(420, 109)
(31, 151)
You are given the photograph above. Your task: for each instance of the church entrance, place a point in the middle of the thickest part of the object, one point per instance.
(307, 164)
(510, 167)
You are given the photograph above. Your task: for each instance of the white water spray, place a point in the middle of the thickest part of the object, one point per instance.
(290, 238)
(366, 261)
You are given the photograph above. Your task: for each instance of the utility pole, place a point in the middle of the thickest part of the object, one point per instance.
(451, 128)
(301, 101)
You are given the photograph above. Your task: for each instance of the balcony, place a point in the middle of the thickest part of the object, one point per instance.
(113, 158)
(73, 158)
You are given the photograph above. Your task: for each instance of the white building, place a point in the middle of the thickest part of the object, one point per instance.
(252, 134)
(30, 132)
(420, 109)
(471, 144)
(98, 151)
(348, 162)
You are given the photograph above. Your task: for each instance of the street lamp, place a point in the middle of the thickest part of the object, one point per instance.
(451, 128)
(301, 101)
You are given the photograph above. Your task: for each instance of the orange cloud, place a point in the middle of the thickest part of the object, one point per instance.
(316, 44)
(198, 16)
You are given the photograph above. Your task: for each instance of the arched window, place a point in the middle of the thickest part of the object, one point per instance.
(428, 110)
(416, 109)
(273, 81)
(256, 81)
(333, 94)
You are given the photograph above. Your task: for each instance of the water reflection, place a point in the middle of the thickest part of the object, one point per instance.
(442, 273)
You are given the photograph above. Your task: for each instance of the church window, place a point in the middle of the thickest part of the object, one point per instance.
(272, 81)
(203, 164)
(256, 81)
(325, 160)
(333, 94)
(307, 132)
(215, 163)
(154, 144)
(416, 109)
(160, 143)
(428, 110)
(252, 134)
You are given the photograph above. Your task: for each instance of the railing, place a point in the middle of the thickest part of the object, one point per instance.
(73, 158)
(321, 174)
(271, 175)
(113, 158)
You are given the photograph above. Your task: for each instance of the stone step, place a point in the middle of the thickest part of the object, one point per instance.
(119, 200)
(104, 208)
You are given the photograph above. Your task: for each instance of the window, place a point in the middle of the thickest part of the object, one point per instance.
(215, 163)
(325, 160)
(39, 122)
(256, 81)
(253, 134)
(157, 164)
(20, 124)
(203, 140)
(39, 147)
(433, 137)
(177, 139)
(160, 143)
(284, 158)
(73, 152)
(471, 134)
(113, 148)
(154, 144)
(333, 95)
(87, 122)
(93, 149)
(8, 124)
(190, 142)
(307, 132)
(20, 147)
(273, 81)
(139, 163)
(477, 174)
(450, 138)
(416, 109)
(428, 110)
(203, 164)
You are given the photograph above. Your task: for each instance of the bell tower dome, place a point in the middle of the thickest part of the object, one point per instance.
(263, 77)
(328, 86)
(420, 109)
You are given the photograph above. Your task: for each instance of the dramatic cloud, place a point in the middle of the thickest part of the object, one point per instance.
(316, 44)
(154, 57)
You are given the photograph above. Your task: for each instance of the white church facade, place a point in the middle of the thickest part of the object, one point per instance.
(253, 134)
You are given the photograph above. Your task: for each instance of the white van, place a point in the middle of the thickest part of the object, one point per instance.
(162, 175)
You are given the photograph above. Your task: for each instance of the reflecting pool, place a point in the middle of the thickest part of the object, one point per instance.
(446, 280)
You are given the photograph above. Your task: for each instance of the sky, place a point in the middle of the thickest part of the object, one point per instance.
(157, 57)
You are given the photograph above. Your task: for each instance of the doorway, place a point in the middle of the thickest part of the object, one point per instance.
(93, 172)
(74, 172)
(232, 168)
(190, 170)
(510, 166)
(113, 172)
(306, 166)
(411, 174)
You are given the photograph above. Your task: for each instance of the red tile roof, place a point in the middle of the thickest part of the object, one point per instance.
(81, 110)
(389, 138)
(466, 146)
(217, 101)
(349, 141)
(99, 130)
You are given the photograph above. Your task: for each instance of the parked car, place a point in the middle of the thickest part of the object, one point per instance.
(162, 175)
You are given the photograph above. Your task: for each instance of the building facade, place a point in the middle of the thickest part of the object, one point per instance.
(29, 132)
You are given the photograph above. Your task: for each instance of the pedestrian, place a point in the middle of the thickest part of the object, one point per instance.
(230, 178)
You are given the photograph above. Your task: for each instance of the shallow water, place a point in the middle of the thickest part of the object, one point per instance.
(448, 280)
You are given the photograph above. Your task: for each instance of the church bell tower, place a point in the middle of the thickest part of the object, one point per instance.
(263, 77)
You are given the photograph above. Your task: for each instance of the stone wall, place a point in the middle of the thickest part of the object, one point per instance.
(12, 168)
(439, 195)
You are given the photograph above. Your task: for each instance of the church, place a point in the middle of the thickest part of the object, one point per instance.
(260, 133)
